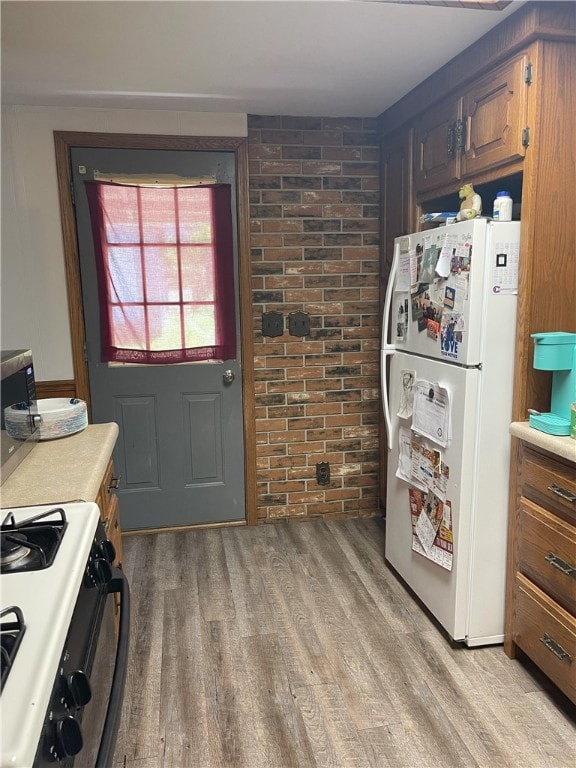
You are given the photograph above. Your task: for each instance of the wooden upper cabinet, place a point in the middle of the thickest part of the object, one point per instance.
(494, 112)
(480, 129)
(436, 159)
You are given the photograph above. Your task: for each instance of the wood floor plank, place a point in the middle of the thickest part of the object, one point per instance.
(334, 739)
(253, 614)
(228, 703)
(139, 727)
(214, 589)
(292, 646)
(277, 731)
(302, 650)
(183, 716)
(353, 669)
(477, 713)
(358, 544)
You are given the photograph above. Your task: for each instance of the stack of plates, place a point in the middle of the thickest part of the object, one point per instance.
(59, 417)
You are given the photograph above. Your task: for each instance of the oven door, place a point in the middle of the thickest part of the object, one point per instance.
(86, 736)
(108, 689)
(101, 677)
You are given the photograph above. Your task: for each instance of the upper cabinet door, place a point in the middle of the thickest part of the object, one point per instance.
(436, 155)
(494, 111)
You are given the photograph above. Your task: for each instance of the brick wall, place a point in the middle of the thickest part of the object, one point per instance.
(314, 216)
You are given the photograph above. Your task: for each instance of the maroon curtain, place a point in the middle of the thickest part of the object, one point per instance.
(165, 264)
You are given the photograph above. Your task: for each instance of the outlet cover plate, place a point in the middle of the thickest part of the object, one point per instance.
(299, 324)
(272, 323)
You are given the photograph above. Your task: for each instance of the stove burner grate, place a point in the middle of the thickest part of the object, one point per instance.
(31, 544)
(11, 634)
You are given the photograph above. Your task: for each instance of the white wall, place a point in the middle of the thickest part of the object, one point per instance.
(34, 310)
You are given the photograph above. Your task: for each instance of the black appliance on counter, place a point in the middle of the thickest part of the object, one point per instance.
(17, 391)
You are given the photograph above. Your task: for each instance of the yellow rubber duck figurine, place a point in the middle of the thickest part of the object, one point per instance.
(471, 204)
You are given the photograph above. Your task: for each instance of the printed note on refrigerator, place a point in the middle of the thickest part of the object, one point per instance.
(432, 412)
(404, 470)
(448, 250)
(441, 550)
(429, 520)
(408, 379)
(404, 274)
(505, 268)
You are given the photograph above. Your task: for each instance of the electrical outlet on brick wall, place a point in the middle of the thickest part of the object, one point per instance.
(323, 473)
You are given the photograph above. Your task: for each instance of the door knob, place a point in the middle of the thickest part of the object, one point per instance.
(228, 376)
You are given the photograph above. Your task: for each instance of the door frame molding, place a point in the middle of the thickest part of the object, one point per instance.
(64, 141)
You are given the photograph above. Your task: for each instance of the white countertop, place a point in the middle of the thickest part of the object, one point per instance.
(561, 446)
(58, 471)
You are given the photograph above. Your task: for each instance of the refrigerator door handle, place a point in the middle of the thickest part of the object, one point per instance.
(388, 349)
(388, 300)
(385, 353)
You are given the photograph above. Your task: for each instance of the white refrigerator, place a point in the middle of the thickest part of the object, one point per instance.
(447, 363)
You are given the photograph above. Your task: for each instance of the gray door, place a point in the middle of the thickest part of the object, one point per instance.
(180, 454)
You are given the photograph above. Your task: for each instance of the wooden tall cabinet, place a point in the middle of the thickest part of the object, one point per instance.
(501, 115)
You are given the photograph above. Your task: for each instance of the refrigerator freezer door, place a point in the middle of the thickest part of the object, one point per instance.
(468, 600)
(446, 280)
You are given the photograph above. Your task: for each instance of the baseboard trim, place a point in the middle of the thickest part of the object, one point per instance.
(56, 388)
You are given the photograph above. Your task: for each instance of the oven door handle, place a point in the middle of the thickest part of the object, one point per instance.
(118, 584)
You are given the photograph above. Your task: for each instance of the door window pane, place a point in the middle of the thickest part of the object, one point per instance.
(165, 272)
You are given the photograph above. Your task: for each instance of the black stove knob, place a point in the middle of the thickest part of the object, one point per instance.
(77, 691)
(107, 550)
(100, 571)
(67, 737)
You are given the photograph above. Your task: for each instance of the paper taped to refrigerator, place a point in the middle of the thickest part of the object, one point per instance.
(406, 407)
(404, 470)
(439, 548)
(432, 412)
(504, 278)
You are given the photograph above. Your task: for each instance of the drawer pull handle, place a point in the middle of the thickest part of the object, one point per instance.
(114, 484)
(562, 565)
(563, 492)
(556, 648)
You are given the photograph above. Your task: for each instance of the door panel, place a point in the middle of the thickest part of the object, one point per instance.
(203, 416)
(180, 452)
(136, 417)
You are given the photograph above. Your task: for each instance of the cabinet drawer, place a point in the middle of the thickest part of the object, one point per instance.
(547, 633)
(547, 553)
(549, 483)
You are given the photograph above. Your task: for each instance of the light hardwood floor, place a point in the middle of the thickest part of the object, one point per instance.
(294, 645)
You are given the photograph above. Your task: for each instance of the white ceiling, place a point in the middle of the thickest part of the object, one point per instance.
(298, 57)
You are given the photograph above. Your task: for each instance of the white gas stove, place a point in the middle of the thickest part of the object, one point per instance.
(45, 598)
